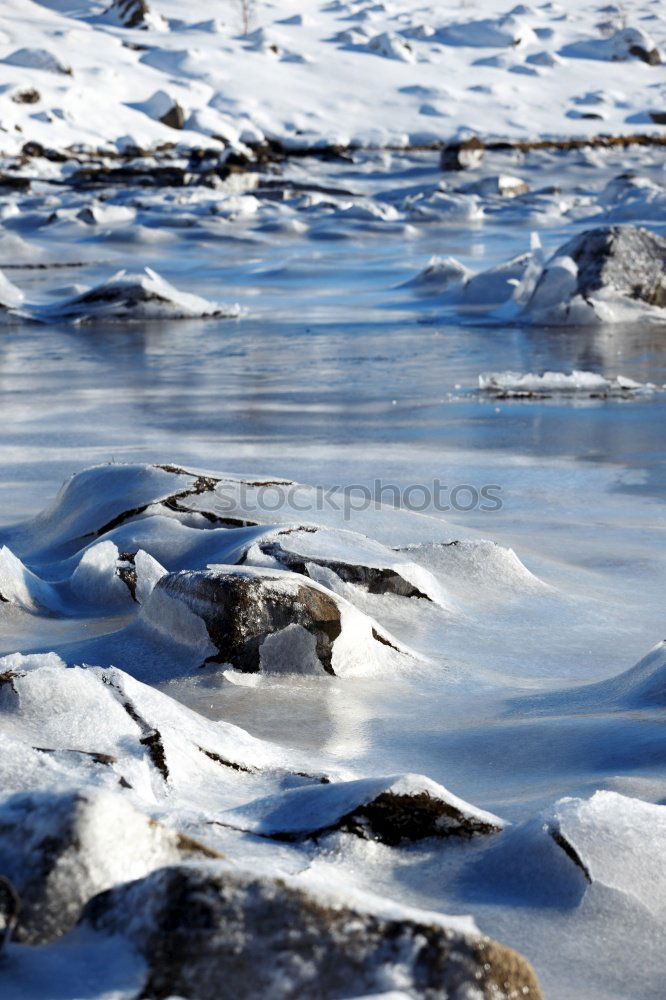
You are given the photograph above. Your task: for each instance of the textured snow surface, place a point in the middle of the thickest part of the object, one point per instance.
(401, 74)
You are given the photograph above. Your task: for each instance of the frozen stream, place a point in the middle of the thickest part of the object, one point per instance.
(336, 376)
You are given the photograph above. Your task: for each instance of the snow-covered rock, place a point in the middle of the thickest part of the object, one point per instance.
(390, 810)
(40, 59)
(131, 736)
(440, 275)
(391, 47)
(258, 619)
(126, 297)
(616, 841)
(508, 30)
(353, 558)
(198, 927)
(608, 274)
(626, 43)
(135, 14)
(60, 850)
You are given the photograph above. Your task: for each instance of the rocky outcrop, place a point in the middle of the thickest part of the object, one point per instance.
(271, 937)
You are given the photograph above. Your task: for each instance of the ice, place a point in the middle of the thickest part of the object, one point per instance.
(530, 385)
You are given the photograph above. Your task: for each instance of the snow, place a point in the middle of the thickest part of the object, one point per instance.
(276, 81)
(374, 288)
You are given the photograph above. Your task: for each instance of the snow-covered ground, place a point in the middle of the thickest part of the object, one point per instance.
(350, 637)
(312, 72)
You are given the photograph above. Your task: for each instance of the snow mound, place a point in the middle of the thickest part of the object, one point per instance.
(440, 275)
(182, 918)
(126, 297)
(476, 568)
(255, 619)
(501, 32)
(40, 59)
(390, 810)
(391, 47)
(95, 501)
(616, 841)
(514, 385)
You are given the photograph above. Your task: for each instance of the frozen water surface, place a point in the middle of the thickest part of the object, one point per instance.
(337, 373)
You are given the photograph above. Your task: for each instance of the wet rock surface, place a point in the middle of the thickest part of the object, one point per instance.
(271, 937)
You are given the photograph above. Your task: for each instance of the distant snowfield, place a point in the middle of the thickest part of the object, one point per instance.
(309, 73)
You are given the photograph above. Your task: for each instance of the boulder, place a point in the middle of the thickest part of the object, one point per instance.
(463, 155)
(258, 619)
(262, 937)
(60, 850)
(134, 14)
(604, 274)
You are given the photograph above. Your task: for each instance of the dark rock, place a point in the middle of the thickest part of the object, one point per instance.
(658, 117)
(266, 620)
(242, 611)
(649, 56)
(462, 155)
(130, 13)
(175, 117)
(27, 96)
(264, 937)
